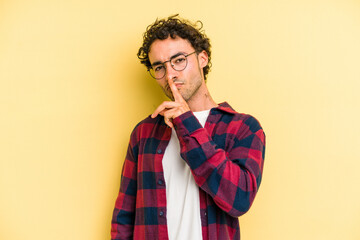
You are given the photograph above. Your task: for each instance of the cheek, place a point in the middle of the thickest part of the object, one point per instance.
(191, 70)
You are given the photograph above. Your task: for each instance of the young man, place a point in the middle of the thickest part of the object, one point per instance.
(194, 166)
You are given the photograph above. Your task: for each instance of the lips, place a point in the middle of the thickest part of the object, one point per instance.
(177, 84)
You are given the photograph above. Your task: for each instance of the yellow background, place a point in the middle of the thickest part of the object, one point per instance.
(72, 89)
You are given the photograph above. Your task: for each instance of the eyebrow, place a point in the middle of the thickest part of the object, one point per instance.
(173, 56)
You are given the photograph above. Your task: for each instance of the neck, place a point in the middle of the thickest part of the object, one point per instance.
(203, 101)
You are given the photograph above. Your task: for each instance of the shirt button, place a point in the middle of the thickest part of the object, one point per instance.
(159, 151)
(160, 182)
(161, 213)
(205, 213)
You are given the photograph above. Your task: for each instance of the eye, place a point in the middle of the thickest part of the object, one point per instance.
(179, 59)
(158, 68)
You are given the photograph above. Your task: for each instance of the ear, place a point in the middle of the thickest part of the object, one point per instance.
(203, 59)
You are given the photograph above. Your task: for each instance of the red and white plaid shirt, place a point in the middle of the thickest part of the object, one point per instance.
(226, 158)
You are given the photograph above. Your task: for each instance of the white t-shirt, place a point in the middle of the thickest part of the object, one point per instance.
(182, 193)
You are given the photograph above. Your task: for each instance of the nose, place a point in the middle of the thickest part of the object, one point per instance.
(171, 73)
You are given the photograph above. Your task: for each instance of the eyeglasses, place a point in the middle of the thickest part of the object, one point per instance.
(178, 62)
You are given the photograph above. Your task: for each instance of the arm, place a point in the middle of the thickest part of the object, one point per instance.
(122, 224)
(231, 177)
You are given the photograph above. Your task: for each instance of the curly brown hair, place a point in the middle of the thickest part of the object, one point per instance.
(175, 26)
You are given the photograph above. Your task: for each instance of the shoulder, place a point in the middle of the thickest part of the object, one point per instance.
(145, 127)
(250, 122)
(231, 117)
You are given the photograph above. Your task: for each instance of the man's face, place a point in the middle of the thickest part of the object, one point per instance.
(189, 80)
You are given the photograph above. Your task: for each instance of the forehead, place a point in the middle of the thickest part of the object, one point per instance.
(162, 50)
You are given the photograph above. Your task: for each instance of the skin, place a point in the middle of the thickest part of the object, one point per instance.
(187, 88)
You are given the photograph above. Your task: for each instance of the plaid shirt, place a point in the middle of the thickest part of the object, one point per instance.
(226, 158)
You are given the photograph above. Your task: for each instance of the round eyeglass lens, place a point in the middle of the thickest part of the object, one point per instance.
(157, 71)
(179, 62)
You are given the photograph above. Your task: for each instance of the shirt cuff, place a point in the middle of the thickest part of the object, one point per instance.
(186, 124)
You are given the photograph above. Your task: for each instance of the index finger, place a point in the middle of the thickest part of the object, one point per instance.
(175, 91)
(165, 105)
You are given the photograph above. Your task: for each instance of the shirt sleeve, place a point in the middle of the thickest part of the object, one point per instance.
(122, 224)
(230, 175)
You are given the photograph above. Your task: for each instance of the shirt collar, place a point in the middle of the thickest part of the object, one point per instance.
(225, 107)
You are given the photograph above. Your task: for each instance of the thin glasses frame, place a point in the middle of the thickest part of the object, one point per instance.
(172, 65)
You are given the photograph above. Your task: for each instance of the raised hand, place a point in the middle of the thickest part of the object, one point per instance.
(172, 109)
